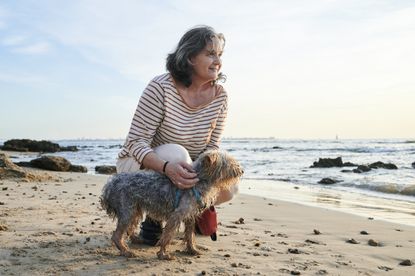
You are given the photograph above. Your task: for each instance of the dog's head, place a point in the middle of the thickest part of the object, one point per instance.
(218, 167)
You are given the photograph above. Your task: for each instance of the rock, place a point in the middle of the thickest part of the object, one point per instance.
(413, 165)
(56, 163)
(349, 164)
(364, 232)
(328, 163)
(346, 171)
(379, 164)
(52, 163)
(352, 241)
(361, 168)
(30, 145)
(10, 170)
(406, 262)
(69, 148)
(106, 169)
(35, 146)
(372, 242)
(78, 168)
(316, 232)
(328, 181)
(294, 251)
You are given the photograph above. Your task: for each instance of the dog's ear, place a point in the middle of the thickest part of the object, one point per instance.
(209, 160)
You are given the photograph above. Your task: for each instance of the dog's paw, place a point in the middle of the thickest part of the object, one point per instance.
(127, 254)
(165, 256)
(193, 251)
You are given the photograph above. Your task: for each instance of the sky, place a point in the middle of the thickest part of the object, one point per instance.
(295, 69)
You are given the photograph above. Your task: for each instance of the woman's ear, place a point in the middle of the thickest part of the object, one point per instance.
(190, 61)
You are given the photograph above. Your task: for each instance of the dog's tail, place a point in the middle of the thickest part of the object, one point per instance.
(105, 198)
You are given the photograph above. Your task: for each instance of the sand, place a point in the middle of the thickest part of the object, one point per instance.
(56, 227)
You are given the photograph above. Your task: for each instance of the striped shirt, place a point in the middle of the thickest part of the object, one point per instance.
(162, 117)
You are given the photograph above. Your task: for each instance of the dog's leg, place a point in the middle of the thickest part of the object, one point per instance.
(189, 237)
(168, 233)
(118, 239)
(137, 218)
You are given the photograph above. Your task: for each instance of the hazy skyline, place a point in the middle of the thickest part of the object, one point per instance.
(296, 69)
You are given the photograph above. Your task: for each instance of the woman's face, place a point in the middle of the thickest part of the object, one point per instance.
(207, 64)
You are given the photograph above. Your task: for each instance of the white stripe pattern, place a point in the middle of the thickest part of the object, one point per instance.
(162, 117)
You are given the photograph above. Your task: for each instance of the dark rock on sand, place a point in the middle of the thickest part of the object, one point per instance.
(34, 146)
(413, 165)
(294, 251)
(352, 241)
(372, 242)
(78, 168)
(106, 169)
(56, 163)
(406, 263)
(346, 171)
(379, 164)
(328, 163)
(328, 181)
(364, 232)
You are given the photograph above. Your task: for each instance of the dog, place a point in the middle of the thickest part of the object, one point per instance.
(127, 196)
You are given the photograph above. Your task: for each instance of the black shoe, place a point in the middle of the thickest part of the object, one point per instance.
(150, 231)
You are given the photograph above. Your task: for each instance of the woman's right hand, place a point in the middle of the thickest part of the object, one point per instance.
(181, 174)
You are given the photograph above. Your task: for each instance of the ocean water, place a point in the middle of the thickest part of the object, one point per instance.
(290, 160)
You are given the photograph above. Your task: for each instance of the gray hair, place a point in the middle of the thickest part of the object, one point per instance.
(191, 44)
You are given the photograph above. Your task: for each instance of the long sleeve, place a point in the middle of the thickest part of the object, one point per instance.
(146, 120)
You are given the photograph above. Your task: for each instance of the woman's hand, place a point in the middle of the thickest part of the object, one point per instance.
(181, 174)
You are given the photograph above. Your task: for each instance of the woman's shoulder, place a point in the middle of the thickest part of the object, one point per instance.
(220, 92)
(162, 79)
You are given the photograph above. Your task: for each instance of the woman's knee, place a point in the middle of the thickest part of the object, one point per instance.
(173, 153)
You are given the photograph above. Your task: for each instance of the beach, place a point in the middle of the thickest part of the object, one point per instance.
(55, 227)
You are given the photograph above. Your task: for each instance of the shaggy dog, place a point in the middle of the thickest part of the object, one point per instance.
(127, 196)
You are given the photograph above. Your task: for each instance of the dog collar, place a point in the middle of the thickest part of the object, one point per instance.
(196, 193)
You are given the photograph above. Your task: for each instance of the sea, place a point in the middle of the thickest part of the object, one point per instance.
(285, 164)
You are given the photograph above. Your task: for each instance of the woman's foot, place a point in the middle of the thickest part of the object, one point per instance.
(150, 232)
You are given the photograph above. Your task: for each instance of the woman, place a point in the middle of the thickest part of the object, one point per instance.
(181, 111)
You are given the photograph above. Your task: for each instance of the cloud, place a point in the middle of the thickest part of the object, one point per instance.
(14, 40)
(21, 78)
(33, 49)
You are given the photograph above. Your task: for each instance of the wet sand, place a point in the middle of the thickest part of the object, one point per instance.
(56, 227)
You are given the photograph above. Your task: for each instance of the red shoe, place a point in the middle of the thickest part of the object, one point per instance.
(207, 224)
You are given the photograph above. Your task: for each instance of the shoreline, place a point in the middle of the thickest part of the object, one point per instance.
(56, 227)
(390, 210)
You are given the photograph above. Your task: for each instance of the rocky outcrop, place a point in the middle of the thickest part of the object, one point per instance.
(105, 169)
(328, 163)
(338, 162)
(34, 146)
(380, 164)
(9, 170)
(56, 163)
(361, 169)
